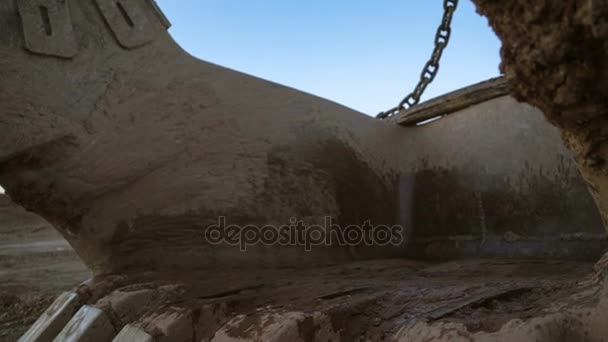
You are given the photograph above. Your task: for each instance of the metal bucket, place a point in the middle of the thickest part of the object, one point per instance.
(493, 179)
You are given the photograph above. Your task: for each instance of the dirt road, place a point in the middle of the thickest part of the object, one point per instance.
(36, 265)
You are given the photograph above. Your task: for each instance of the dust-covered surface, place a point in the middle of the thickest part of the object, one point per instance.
(132, 151)
(124, 149)
(368, 299)
(204, 141)
(555, 56)
(360, 301)
(36, 264)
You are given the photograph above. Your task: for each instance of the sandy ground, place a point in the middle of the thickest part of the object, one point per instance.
(36, 265)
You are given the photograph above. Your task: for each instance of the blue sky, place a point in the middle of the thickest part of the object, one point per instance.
(363, 54)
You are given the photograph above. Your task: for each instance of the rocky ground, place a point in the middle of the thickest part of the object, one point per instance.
(36, 265)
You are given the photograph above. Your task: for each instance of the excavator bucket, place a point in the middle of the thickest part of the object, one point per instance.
(493, 180)
(214, 206)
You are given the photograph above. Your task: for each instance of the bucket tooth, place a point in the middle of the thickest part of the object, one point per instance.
(132, 334)
(50, 323)
(89, 324)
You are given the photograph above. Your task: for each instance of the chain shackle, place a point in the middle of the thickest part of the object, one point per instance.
(442, 38)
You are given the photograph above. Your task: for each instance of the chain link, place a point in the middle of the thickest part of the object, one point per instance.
(442, 38)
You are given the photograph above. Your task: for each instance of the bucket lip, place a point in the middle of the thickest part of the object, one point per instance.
(454, 101)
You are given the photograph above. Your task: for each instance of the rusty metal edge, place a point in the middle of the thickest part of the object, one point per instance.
(454, 101)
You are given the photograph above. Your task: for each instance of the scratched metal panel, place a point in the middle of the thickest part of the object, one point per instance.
(47, 27)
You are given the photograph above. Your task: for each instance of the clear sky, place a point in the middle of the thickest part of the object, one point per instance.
(361, 53)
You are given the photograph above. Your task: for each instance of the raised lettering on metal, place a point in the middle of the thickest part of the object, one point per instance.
(47, 27)
(129, 21)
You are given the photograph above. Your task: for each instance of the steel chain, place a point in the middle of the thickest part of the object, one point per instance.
(442, 38)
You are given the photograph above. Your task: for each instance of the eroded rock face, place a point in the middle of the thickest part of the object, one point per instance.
(555, 55)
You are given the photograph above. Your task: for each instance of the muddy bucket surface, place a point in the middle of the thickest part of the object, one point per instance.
(493, 180)
(490, 183)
